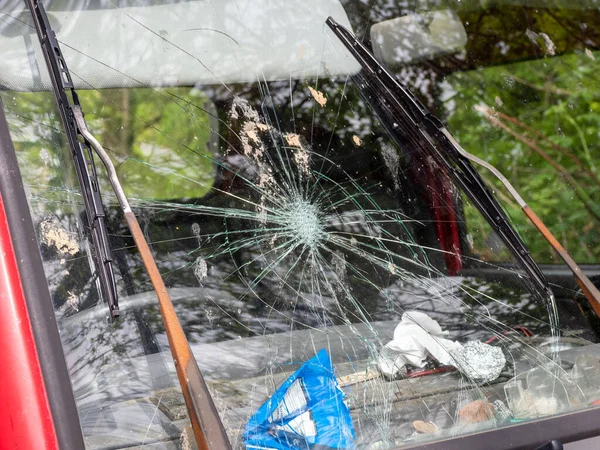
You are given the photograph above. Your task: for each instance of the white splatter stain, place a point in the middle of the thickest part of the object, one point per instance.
(262, 126)
(589, 54)
(293, 139)
(45, 156)
(392, 161)
(73, 301)
(532, 36)
(251, 144)
(391, 268)
(200, 269)
(550, 47)
(54, 235)
(239, 104)
(196, 232)
(249, 134)
(301, 156)
(251, 129)
(302, 160)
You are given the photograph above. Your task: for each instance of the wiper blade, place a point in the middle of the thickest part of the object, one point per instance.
(407, 120)
(83, 159)
(207, 426)
(394, 103)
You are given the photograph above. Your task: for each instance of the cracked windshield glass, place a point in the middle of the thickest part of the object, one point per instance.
(341, 273)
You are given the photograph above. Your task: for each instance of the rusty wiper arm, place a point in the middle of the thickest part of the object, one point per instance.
(206, 424)
(66, 99)
(392, 101)
(407, 120)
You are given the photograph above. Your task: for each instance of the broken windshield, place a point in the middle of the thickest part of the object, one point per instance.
(298, 241)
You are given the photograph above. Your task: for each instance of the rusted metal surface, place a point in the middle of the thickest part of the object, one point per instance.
(590, 291)
(208, 430)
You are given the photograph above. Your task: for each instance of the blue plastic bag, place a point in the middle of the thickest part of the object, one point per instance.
(307, 411)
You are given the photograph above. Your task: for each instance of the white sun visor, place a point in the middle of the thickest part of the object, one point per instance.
(179, 43)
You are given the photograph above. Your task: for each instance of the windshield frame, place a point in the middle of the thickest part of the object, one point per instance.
(40, 310)
(573, 426)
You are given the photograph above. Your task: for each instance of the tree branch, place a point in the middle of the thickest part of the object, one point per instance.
(562, 171)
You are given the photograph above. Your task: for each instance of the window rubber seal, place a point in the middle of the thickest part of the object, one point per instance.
(37, 296)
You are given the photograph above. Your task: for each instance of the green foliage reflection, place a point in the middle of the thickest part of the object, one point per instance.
(541, 131)
(160, 145)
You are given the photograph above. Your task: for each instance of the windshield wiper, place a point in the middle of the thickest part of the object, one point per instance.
(408, 121)
(410, 124)
(207, 426)
(67, 100)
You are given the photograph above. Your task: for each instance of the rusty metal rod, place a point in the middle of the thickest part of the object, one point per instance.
(206, 424)
(587, 287)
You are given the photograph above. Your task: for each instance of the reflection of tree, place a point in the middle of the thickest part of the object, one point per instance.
(496, 30)
(28, 116)
(540, 138)
(160, 145)
(550, 105)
